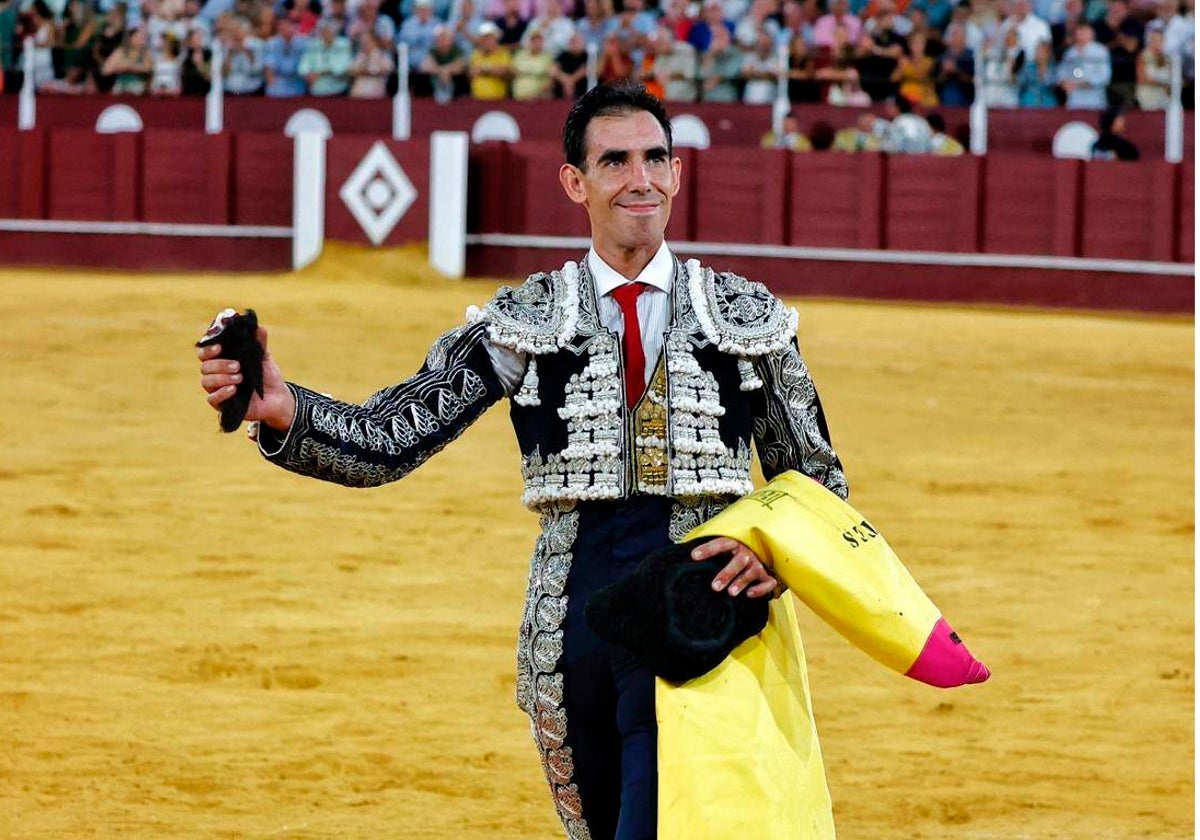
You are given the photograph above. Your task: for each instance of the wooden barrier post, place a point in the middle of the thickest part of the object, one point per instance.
(26, 103)
(593, 53)
(402, 101)
(448, 202)
(1173, 124)
(214, 102)
(308, 196)
(978, 122)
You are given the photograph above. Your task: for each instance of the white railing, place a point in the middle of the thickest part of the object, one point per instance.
(214, 100)
(593, 51)
(402, 101)
(27, 103)
(978, 120)
(1173, 124)
(782, 104)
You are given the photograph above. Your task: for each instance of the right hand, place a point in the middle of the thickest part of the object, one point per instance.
(220, 378)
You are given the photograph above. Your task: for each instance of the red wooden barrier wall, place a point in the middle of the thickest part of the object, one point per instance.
(187, 177)
(837, 201)
(262, 179)
(933, 204)
(997, 204)
(92, 176)
(1003, 204)
(1186, 226)
(1030, 205)
(743, 196)
(1128, 214)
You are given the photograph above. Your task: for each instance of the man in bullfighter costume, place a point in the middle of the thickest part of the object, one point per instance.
(638, 382)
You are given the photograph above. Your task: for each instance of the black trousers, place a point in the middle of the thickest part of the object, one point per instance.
(608, 697)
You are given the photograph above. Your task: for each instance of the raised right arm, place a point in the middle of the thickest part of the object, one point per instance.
(393, 432)
(396, 429)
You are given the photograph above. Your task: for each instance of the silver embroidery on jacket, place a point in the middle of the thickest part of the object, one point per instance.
(540, 316)
(689, 512)
(788, 435)
(539, 648)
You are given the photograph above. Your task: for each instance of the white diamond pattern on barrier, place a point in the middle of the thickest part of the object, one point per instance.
(378, 193)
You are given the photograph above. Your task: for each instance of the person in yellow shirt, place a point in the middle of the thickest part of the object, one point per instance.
(491, 65)
(789, 137)
(531, 69)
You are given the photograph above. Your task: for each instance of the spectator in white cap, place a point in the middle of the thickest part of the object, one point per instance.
(491, 65)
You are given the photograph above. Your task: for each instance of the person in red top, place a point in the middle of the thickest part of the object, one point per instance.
(675, 18)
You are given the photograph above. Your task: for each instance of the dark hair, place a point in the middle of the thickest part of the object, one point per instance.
(607, 100)
(821, 135)
(936, 123)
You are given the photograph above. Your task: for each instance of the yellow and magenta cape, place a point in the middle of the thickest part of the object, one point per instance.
(738, 755)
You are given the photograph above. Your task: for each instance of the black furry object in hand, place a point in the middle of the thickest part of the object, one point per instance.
(236, 334)
(667, 615)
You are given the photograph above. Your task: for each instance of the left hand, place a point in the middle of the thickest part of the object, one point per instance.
(744, 571)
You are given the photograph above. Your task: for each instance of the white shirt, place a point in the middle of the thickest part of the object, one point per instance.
(1030, 32)
(653, 306)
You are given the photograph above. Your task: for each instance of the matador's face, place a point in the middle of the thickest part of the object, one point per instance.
(627, 183)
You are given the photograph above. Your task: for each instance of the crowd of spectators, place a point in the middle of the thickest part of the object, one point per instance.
(1016, 53)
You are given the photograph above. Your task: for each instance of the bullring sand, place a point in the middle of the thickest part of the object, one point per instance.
(194, 644)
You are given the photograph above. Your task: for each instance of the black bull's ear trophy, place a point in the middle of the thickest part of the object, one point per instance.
(236, 334)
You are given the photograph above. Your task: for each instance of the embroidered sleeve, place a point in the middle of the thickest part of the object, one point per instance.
(790, 431)
(395, 430)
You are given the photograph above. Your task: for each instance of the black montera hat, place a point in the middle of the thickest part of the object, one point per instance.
(667, 615)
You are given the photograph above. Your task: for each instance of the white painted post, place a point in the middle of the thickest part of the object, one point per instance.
(782, 103)
(214, 102)
(979, 121)
(448, 202)
(26, 103)
(308, 197)
(593, 51)
(402, 101)
(1173, 124)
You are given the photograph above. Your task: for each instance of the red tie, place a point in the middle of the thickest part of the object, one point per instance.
(635, 358)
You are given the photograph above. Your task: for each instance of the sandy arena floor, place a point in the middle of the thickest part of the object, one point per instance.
(194, 644)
